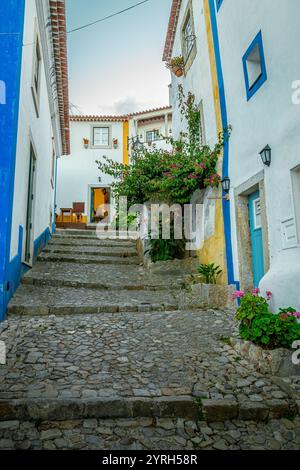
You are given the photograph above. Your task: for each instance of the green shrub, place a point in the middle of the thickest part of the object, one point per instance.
(210, 273)
(262, 327)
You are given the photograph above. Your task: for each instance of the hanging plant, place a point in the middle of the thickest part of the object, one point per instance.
(176, 65)
(115, 143)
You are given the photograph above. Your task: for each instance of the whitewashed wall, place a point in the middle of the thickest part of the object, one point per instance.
(198, 78)
(39, 131)
(79, 171)
(269, 117)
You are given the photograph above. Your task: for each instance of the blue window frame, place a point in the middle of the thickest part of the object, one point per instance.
(219, 3)
(254, 66)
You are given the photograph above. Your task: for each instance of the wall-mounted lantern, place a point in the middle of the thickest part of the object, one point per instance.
(226, 184)
(266, 155)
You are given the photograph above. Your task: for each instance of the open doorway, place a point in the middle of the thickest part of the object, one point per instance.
(99, 207)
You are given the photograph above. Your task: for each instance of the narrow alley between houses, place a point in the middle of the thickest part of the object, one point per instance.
(101, 356)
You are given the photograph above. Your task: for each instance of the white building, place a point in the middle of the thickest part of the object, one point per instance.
(260, 61)
(188, 35)
(81, 184)
(37, 105)
(241, 62)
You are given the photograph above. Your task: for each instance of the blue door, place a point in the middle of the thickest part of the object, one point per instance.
(256, 238)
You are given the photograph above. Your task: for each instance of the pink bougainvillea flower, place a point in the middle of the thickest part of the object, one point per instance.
(256, 291)
(269, 294)
(238, 294)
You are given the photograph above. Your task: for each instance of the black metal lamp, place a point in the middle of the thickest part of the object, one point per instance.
(226, 184)
(266, 155)
(137, 144)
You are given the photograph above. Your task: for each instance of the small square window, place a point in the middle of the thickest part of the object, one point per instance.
(254, 66)
(101, 137)
(151, 136)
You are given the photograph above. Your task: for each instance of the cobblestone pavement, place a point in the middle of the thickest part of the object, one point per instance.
(166, 370)
(150, 434)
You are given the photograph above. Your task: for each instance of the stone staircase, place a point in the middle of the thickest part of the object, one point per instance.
(80, 273)
(92, 337)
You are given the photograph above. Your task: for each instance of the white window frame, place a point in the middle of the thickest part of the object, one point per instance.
(37, 60)
(101, 126)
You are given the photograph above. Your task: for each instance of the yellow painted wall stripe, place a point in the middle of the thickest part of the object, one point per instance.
(213, 250)
(125, 142)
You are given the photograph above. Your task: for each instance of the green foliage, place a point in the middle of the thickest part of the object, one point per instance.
(164, 250)
(176, 62)
(123, 220)
(210, 272)
(262, 327)
(252, 306)
(173, 176)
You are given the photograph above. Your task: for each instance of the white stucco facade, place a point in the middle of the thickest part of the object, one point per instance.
(38, 132)
(79, 173)
(245, 62)
(269, 117)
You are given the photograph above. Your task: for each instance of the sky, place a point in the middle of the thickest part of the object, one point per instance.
(115, 67)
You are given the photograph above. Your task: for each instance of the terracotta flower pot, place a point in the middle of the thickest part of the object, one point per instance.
(178, 71)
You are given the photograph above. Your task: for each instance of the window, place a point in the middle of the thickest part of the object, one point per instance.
(296, 197)
(100, 136)
(53, 168)
(188, 35)
(152, 135)
(188, 38)
(219, 3)
(36, 79)
(254, 66)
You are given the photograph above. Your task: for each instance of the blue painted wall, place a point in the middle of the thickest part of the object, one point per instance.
(11, 39)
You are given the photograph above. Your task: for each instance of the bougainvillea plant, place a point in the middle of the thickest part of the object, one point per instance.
(169, 176)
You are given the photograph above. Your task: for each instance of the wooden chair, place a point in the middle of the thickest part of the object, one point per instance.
(78, 210)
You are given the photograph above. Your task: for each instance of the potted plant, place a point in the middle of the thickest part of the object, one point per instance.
(86, 143)
(115, 143)
(176, 65)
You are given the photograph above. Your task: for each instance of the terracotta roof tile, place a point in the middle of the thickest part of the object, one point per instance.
(173, 22)
(59, 39)
(121, 118)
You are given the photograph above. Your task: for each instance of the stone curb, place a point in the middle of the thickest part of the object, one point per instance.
(34, 281)
(60, 410)
(54, 251)
(226, 410)
(139, 407)
(32, 310)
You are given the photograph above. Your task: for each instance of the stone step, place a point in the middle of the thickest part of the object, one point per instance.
(105, 235)
(87, 259)
(43, 300)
(185, 407)
(108, 277)
(92, 242)
(118, 252)
(62, 409)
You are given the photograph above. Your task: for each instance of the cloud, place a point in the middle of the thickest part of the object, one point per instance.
(125, 106)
